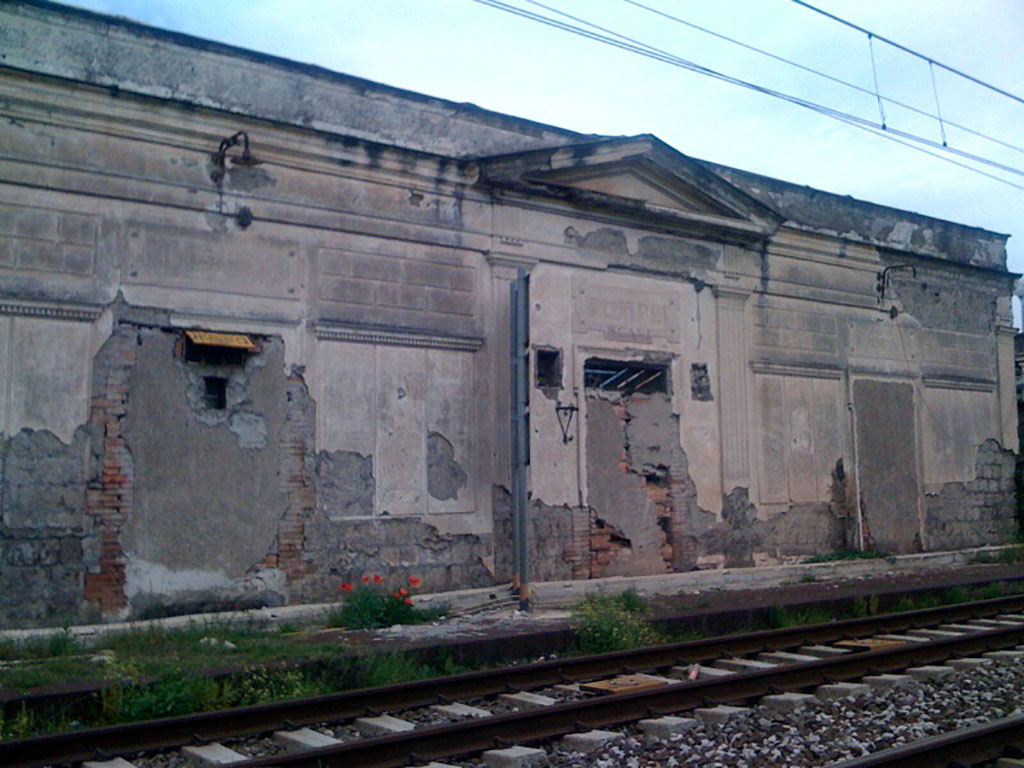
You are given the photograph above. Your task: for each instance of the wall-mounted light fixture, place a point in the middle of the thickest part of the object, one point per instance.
(565, 414)
(246, 159)
(882, 279)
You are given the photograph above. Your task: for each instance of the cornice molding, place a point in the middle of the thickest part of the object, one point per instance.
(398, 338)
(85, 313)
(961, 383)
(788, 369)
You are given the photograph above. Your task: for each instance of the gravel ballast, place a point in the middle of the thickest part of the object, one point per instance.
(824, 732)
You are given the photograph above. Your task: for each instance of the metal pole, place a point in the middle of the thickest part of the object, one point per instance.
(513, 358)
(521, 432)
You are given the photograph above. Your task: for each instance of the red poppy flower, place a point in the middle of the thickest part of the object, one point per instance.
(346, 587)
(366, 579)
(378, 579)
(414, 582)
(403, 592)
(408, 601)
(397, 596)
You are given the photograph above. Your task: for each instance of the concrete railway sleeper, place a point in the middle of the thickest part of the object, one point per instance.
(930, 636)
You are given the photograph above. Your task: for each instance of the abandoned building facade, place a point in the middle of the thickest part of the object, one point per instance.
(257, 318)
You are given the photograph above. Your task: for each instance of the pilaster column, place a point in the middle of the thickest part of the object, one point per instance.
(732, 386)
(1006, 376)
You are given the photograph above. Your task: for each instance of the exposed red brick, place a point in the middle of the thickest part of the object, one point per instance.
(109, 501)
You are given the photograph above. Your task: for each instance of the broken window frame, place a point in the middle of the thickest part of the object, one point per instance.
(216, 349)
(625, 377)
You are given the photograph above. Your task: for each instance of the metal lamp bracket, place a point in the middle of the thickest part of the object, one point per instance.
(565, 414)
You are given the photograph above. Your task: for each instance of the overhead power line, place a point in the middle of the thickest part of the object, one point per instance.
(937, 115)
(618, 40)
(912, 52)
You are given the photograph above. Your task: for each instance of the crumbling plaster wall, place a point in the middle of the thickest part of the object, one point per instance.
(605, 317)
(380, 450)
(208, 494)
(48, 454)
(935, 332)
(586, 314)
(178, 246)
(618, 471)
(44, 369)
(399, 484)
(403, 419)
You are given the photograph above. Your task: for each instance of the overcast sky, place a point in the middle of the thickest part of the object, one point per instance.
(466, 51)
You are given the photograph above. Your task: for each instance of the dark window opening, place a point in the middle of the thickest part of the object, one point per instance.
(700, 382)
(215, 394)
(548, 364)
(619, 376)
(656, 475)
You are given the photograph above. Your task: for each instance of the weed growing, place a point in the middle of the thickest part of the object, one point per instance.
(371, 605)
(864, 606)
(780, 617)
(613, 623)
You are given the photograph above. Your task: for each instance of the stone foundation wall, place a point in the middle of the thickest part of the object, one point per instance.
(49, 539)
(978, 512)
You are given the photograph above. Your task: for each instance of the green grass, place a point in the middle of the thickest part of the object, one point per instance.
(780, 617)
(848, 554)
(154, 672)
(1006, 556)
(151, 653)
(132, 695)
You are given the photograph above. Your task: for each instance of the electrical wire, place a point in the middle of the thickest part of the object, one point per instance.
(889, 135)
(832, 78)
(912, 52)
(635, 46)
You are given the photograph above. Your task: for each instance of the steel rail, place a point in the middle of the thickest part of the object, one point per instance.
(447, 741)
(979, 743)
(109, 741)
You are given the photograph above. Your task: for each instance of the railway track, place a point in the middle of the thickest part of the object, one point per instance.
(970, 746)
(730, 670)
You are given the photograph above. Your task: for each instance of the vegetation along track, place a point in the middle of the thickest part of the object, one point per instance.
(551, 721)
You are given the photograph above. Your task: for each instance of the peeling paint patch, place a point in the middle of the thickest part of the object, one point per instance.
(605, 240)
(344, 484)
(247, 179)
(739, 516)
(662, 254)
(236, 409)
(803, 530)
(445, 476)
